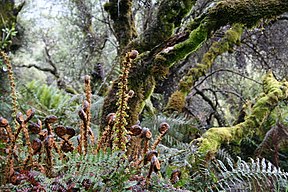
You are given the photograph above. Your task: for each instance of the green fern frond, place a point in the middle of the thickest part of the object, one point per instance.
(182, 129)
(47, 100)
(104, 170)
(225, 157)
(257, 174)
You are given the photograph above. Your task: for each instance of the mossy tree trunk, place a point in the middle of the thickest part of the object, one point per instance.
(120, 12)
(160, 49)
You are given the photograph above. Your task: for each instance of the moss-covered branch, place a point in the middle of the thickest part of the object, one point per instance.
(231, 37)
(225, 12)
(246, 12)
(274, 91)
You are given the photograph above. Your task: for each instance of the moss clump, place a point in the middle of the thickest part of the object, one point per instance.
(176, 102)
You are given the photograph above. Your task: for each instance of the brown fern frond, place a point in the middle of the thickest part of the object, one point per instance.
(276, 135)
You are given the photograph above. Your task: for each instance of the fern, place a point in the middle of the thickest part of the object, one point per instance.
(49, 100)
(257, 174)
(181, 129)
(102, 172)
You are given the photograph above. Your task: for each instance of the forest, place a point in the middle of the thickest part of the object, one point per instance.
(143, 95)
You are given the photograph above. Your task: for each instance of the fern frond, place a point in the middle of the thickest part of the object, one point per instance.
(103, 171)
(181, 128)
(257, 174)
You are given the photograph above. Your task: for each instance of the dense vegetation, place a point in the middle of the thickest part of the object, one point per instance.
(143, 95)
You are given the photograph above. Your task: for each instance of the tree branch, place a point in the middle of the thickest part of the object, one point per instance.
(274, 91)
(225, 70)
(221, 121)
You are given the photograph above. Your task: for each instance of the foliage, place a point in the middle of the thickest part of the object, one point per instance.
(8, 35)
(51, 148)
(257, 174)
(182, 129)
(240, 175)
(102, 172)
(49, 100)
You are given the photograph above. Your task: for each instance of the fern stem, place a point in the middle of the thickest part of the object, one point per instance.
(88, 93)
(11, 80)
(119, 128)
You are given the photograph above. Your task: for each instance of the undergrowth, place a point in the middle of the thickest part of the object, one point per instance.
(39, 152)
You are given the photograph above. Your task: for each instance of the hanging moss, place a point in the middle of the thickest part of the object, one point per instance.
(176, 102)
(275, 91)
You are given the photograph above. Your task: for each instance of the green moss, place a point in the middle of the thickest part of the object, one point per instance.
(176, 101)
(231, 37)
(181, 50)
(215, 137)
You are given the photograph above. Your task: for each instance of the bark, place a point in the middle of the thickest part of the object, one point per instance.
(155, 60)
(273, 92)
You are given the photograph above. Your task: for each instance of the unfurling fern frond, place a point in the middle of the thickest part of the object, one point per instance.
(257, 174)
